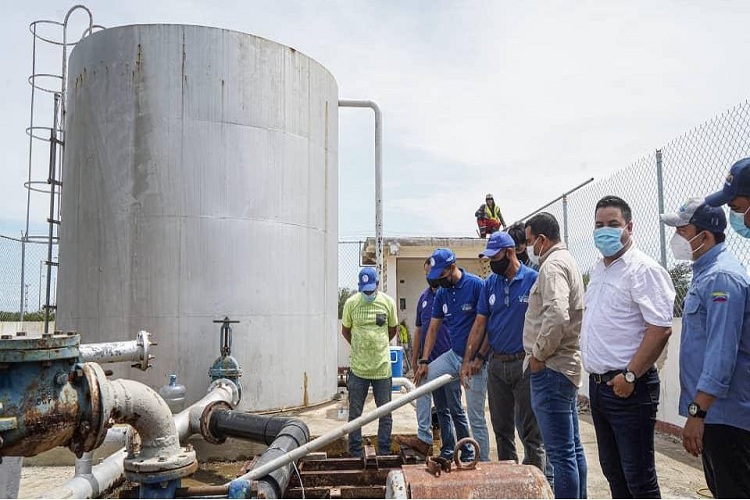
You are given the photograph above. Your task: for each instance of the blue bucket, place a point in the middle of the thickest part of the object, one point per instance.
(397, 364)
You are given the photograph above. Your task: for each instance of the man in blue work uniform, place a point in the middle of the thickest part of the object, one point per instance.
(736, 195)
(456, 304)
(714, 350)
(448, 404)
(497, 334)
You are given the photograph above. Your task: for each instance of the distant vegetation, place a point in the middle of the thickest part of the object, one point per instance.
(28, 316)
(344, 293)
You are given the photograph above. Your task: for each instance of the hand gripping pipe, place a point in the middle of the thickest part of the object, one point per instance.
(243, 486)
(347, 103)
(94, 482)
(282, 434)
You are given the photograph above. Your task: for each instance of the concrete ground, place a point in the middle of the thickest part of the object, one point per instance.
(680, 475)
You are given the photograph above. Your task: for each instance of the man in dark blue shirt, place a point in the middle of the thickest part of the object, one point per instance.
(456, 304)
(498, 334)
(448, 404)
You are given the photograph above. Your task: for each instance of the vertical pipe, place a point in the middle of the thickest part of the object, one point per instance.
(660, 196)
(565, 218)
(345, 103)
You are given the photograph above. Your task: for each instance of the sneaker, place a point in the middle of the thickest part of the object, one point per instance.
(415, 444)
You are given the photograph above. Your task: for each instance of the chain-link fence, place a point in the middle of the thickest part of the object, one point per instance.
(32, 296)
(694, 164)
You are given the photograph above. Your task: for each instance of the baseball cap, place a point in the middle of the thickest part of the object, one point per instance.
(497, 242)
(368, 279)
(440, 259)
(736, 184)
(695, 211)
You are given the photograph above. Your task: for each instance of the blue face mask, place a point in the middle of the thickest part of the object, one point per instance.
(607, 240)
(369, 298)
(737, 221)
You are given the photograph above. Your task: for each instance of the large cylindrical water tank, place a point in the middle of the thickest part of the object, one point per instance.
(201, 181)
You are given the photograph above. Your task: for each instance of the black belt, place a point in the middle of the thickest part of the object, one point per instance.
(603, 378)
(508, 357)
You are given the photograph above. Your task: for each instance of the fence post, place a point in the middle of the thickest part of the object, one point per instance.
(660, 197)
(565, 218)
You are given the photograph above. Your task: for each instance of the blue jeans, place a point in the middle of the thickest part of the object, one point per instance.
(449, 362)
(381, 389)
(450, 413)
(625, 436)
(553, 398)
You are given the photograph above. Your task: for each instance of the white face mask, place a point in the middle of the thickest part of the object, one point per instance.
(681, 248)
(533, 257)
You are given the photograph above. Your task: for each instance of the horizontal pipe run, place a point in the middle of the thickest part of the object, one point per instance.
(335, 434)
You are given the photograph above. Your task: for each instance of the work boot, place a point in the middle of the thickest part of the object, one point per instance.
(416, 444)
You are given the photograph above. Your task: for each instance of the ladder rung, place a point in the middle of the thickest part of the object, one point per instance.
(53, 221)
(45, 306)
(55, 182)
(51, 263)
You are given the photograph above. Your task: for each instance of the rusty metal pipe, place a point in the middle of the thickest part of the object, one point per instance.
(202, 491)
(132, 351)
(335, 434)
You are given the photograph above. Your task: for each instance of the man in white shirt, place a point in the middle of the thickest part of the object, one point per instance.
(626, 324)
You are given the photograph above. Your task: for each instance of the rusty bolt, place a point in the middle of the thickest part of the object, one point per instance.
(61, 379)
(46, 335)
(6, 337)
(162, 458)
(58, 332)
(20, 334)
(70, 333)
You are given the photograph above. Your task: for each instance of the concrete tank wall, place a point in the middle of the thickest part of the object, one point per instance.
(201, 179)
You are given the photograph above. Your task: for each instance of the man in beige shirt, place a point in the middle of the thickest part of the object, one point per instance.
(551, 336)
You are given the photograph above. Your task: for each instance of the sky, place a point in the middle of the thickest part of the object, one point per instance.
(523, 99)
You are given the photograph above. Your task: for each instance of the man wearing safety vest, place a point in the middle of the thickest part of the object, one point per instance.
(489, 217)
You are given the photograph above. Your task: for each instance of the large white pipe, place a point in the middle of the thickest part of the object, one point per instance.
(103, 476)
(342, 431)
(134, 351)
(348, 103)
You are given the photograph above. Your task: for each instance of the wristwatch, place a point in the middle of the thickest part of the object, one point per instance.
(629, 376)
(694, 410)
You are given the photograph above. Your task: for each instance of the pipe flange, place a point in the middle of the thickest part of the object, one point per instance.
(234, 386)
(92, 429)
(144, 342)
(206, 421)
(162, 467)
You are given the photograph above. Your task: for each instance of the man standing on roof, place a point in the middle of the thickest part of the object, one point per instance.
(456, 304)
(714, 350)
(489, 217)
(369, 323)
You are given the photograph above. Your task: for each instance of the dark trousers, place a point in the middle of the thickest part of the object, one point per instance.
(625, 436)
(381, 390)
(509, 396)
(726, 460)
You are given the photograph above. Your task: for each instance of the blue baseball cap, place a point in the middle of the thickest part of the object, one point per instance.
(497, 242)
(440, 259)
(736, 184)
(368, 279)
(695, 211)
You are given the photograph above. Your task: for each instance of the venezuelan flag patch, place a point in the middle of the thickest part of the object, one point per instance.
(719, 297)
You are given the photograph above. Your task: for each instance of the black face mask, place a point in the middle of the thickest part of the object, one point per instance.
(444, 282)
(523, 257)
(500, 266)
(433, 283)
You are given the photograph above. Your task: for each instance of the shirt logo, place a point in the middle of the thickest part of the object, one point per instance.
(523, 298)
(467, 307)
(445, 308)
(492, 299)
(719, 297)
(424, 304)
(432, 261)
(365, 278)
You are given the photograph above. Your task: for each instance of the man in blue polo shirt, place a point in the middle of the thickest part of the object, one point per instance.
(497, 334)
(456, 304)
(450, 411)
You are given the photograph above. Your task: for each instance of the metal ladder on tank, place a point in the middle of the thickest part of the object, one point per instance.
(54, 135)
